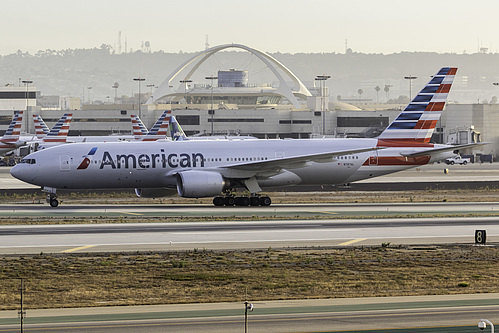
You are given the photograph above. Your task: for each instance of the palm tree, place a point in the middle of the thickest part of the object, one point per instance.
(387, 90)
(377, 88)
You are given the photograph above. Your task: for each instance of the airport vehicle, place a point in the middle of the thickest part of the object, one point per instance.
(213, 168)
(11, 139)
(458, 160)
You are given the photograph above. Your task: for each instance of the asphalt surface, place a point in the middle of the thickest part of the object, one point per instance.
(450, 313)
(241, 235)
(447, 313)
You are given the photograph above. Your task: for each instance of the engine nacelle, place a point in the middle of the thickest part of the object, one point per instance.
(154, 192)
(198, 184)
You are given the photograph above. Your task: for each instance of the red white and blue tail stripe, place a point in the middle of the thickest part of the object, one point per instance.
(160, 129)
(59, 133)
(417, 122)
(41, 128)
(138, 127)
(14, 130)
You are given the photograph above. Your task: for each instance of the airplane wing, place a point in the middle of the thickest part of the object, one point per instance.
(295, 161)
(443, 149)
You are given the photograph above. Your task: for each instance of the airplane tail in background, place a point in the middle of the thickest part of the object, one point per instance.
(176, 131)
(59, 133)
(416, 124)
(138, 127)
(14, 130)
(160, 129)
(40, 127)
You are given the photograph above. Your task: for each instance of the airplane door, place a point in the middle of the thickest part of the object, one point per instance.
(64, 162)
(373, 158)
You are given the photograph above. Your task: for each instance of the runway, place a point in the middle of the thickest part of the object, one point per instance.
(445, 313)
(238, 235)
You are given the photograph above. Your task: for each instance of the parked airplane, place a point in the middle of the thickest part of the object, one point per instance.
(159, 130)
(138, 127)
(11, 140)
(178, 134)
(212, 168)
(55, 136)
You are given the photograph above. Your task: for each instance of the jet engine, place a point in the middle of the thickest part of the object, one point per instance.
(198, 184)
(154, 192)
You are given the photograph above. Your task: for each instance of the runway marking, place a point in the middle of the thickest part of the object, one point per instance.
(353, 241)
(323, 212)
(130, 213)
(78, 248)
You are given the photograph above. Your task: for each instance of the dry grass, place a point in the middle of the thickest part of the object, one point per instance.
(327, 196)
(73, 280)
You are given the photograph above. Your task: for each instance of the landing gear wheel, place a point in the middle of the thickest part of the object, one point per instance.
(219, 201)
(265, 201)
(229, 201)
(53, 202)
(242, 201)
(254, 201)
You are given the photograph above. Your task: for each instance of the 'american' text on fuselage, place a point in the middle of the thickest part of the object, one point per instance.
(145, 161)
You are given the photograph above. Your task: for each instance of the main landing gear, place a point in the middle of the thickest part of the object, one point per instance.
(231, 200)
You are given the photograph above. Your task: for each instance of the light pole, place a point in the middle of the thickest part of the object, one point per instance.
(150, 86)
(483, 324)
(322, 81)
(89, 88)
(212, 110)
(247, 307)
(115, 86)
(139, 79)
(22, 312)
(410, 78)
(27, 82)
(185, 82)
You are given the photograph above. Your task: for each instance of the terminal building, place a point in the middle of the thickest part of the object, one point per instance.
(230, 104)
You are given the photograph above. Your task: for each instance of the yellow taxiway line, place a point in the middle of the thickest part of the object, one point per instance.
(353, 241)
(78, 248)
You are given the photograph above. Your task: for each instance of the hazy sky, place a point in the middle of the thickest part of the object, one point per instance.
(370, 26)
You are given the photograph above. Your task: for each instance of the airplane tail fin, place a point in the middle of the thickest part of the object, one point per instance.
(176, 131)
(40, 127)
(14, 130)
(59, 133)
(417, 122)
(160, 129)
(138, 127)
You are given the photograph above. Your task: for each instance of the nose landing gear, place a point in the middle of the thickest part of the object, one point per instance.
(52, 196)
(52, 200)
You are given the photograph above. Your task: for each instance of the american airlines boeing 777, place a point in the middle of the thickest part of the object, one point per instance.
(212, 168)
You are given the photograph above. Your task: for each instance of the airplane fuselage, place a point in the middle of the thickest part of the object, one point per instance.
(155, 164)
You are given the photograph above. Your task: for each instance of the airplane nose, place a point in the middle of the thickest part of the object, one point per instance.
(16, 171)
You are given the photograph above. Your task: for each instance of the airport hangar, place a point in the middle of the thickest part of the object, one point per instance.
(230, 104)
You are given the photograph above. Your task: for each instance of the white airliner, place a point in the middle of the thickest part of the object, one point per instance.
(11, 139)
(211, 168)
(159, 130)
(57, 135)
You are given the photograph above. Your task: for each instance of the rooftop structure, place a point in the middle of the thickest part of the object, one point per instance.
(233, 86)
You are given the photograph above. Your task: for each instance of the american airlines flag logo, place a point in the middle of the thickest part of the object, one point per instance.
(87, 159)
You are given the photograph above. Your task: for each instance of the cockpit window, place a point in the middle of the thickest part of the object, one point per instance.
(28, 161)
